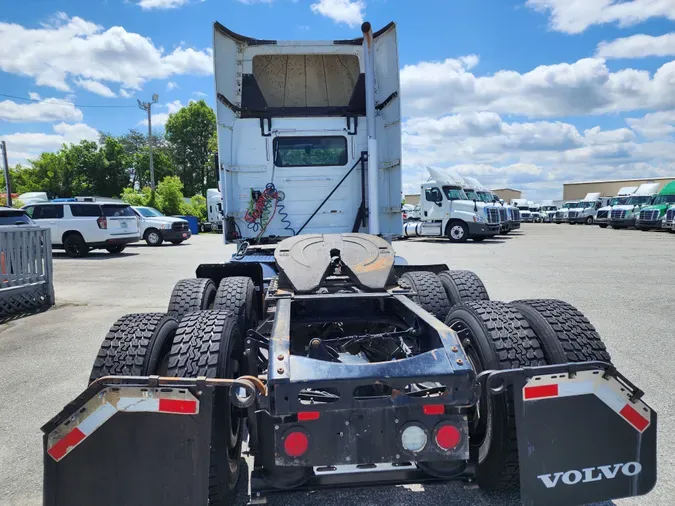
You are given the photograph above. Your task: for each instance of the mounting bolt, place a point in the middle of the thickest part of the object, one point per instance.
(466, 342)
(280, 356)
(398, 456)
(455, 349)
(248, 341)
(460, 361)
(348, 459)
(315, 343)
(281, 370)
(276, 427)
(396, 421)
(346, 423)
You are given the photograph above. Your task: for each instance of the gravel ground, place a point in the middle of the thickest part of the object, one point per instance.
(621, 279)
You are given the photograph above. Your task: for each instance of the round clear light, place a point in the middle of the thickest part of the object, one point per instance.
(414, 439)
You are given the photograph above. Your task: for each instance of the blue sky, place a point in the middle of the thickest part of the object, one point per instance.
(519, 93)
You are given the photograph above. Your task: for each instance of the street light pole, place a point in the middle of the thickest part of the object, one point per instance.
(147, 106)
(8, 188)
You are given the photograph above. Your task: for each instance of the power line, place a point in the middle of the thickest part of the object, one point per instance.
(74, 105)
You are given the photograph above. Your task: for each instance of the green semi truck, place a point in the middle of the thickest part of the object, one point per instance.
(651, 217)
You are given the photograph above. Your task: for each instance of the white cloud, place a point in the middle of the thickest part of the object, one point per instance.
(95, 87)
(199, 94)
(73, 47)
(161, 4)
(349, 12)
(659, 124)
(33, 95)
(171, 86)
(174, 106)
(125, 93)
(49, 109)
(29, 145)
(638, 46)
(575, 16)
(580, 88)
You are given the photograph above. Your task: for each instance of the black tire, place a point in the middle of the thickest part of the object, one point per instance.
(153, 237)
(589, 220)
(116, 250)
(237, 294)
(604, 225)
(453, 232)
(564, 332)
(75, 246)
(462, 286)
(671, 230)
(135, 345)
(429, 292)
(190, 295)
(505, 232)
(478, 239)
(210, 343)
(644, 229)
(495, 336)
(616, 227)
(176, 242)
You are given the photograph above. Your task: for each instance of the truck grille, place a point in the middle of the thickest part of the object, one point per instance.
(670, 215)
(573, 214)
(649, 215)
(515, 213)
(503, 215)
(560, 214)
(619, 214)
(602, 215)
(181, 226)
(492, 215)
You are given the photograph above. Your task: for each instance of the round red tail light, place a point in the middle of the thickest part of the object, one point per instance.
(296, 444)
(448, 437)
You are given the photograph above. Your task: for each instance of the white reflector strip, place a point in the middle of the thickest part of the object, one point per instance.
(131, 404)
(97, 418)
(609, 390)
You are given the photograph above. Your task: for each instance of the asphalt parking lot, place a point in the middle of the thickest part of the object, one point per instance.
(622, 280)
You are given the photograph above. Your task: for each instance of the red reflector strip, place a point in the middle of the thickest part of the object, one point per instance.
(541, 391)
(73, 438)
(634, 418)
(308, 416)
(433, 409)
(177, 406)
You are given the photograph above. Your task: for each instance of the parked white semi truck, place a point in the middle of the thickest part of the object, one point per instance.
(561, 214)
(585, 211)
(602, 216)
(214, 211)
(623, 216)
(307, 142)
(508, 214)
(548, 210)
(523, 205)
(448, 211)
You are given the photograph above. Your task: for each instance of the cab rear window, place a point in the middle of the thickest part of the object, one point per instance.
(116, 210)
(310, 151)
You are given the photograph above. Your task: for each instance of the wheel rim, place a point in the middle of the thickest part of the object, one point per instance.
(480, 427)
(153, 237)
(457, 232)
(73, 247)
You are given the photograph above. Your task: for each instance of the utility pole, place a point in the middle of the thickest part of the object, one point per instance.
(147, 106)
(8, 188)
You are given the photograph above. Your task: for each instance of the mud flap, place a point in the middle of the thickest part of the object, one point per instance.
(129, 445)
(584, 436)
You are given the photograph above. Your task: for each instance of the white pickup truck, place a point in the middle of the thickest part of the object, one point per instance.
(157, 228)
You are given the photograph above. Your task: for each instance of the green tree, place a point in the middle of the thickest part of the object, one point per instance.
(191, 132)
(170, 195)
(196, 207)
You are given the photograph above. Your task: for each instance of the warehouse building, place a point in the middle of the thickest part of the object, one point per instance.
(413, 199)
(507, 194)
(577, 191)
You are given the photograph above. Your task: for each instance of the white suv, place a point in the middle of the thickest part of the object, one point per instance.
(79, 227)
(157, 228)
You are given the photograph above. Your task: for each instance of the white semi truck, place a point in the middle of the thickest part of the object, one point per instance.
(623, 216)
(307, 142)
(508, 214)
(585, 211)
(448, 212)
(548, 210)
(602, 216)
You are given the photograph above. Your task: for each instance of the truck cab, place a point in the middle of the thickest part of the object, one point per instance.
(548, 210)
(214, 211)
(448, 211)
(535, 212)
(669, 219)
(523, 207)
(602, 216)
(561, 214)
(585, 211)
(651, 217)
(624, 216)
(309, 135)
(506, 216)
